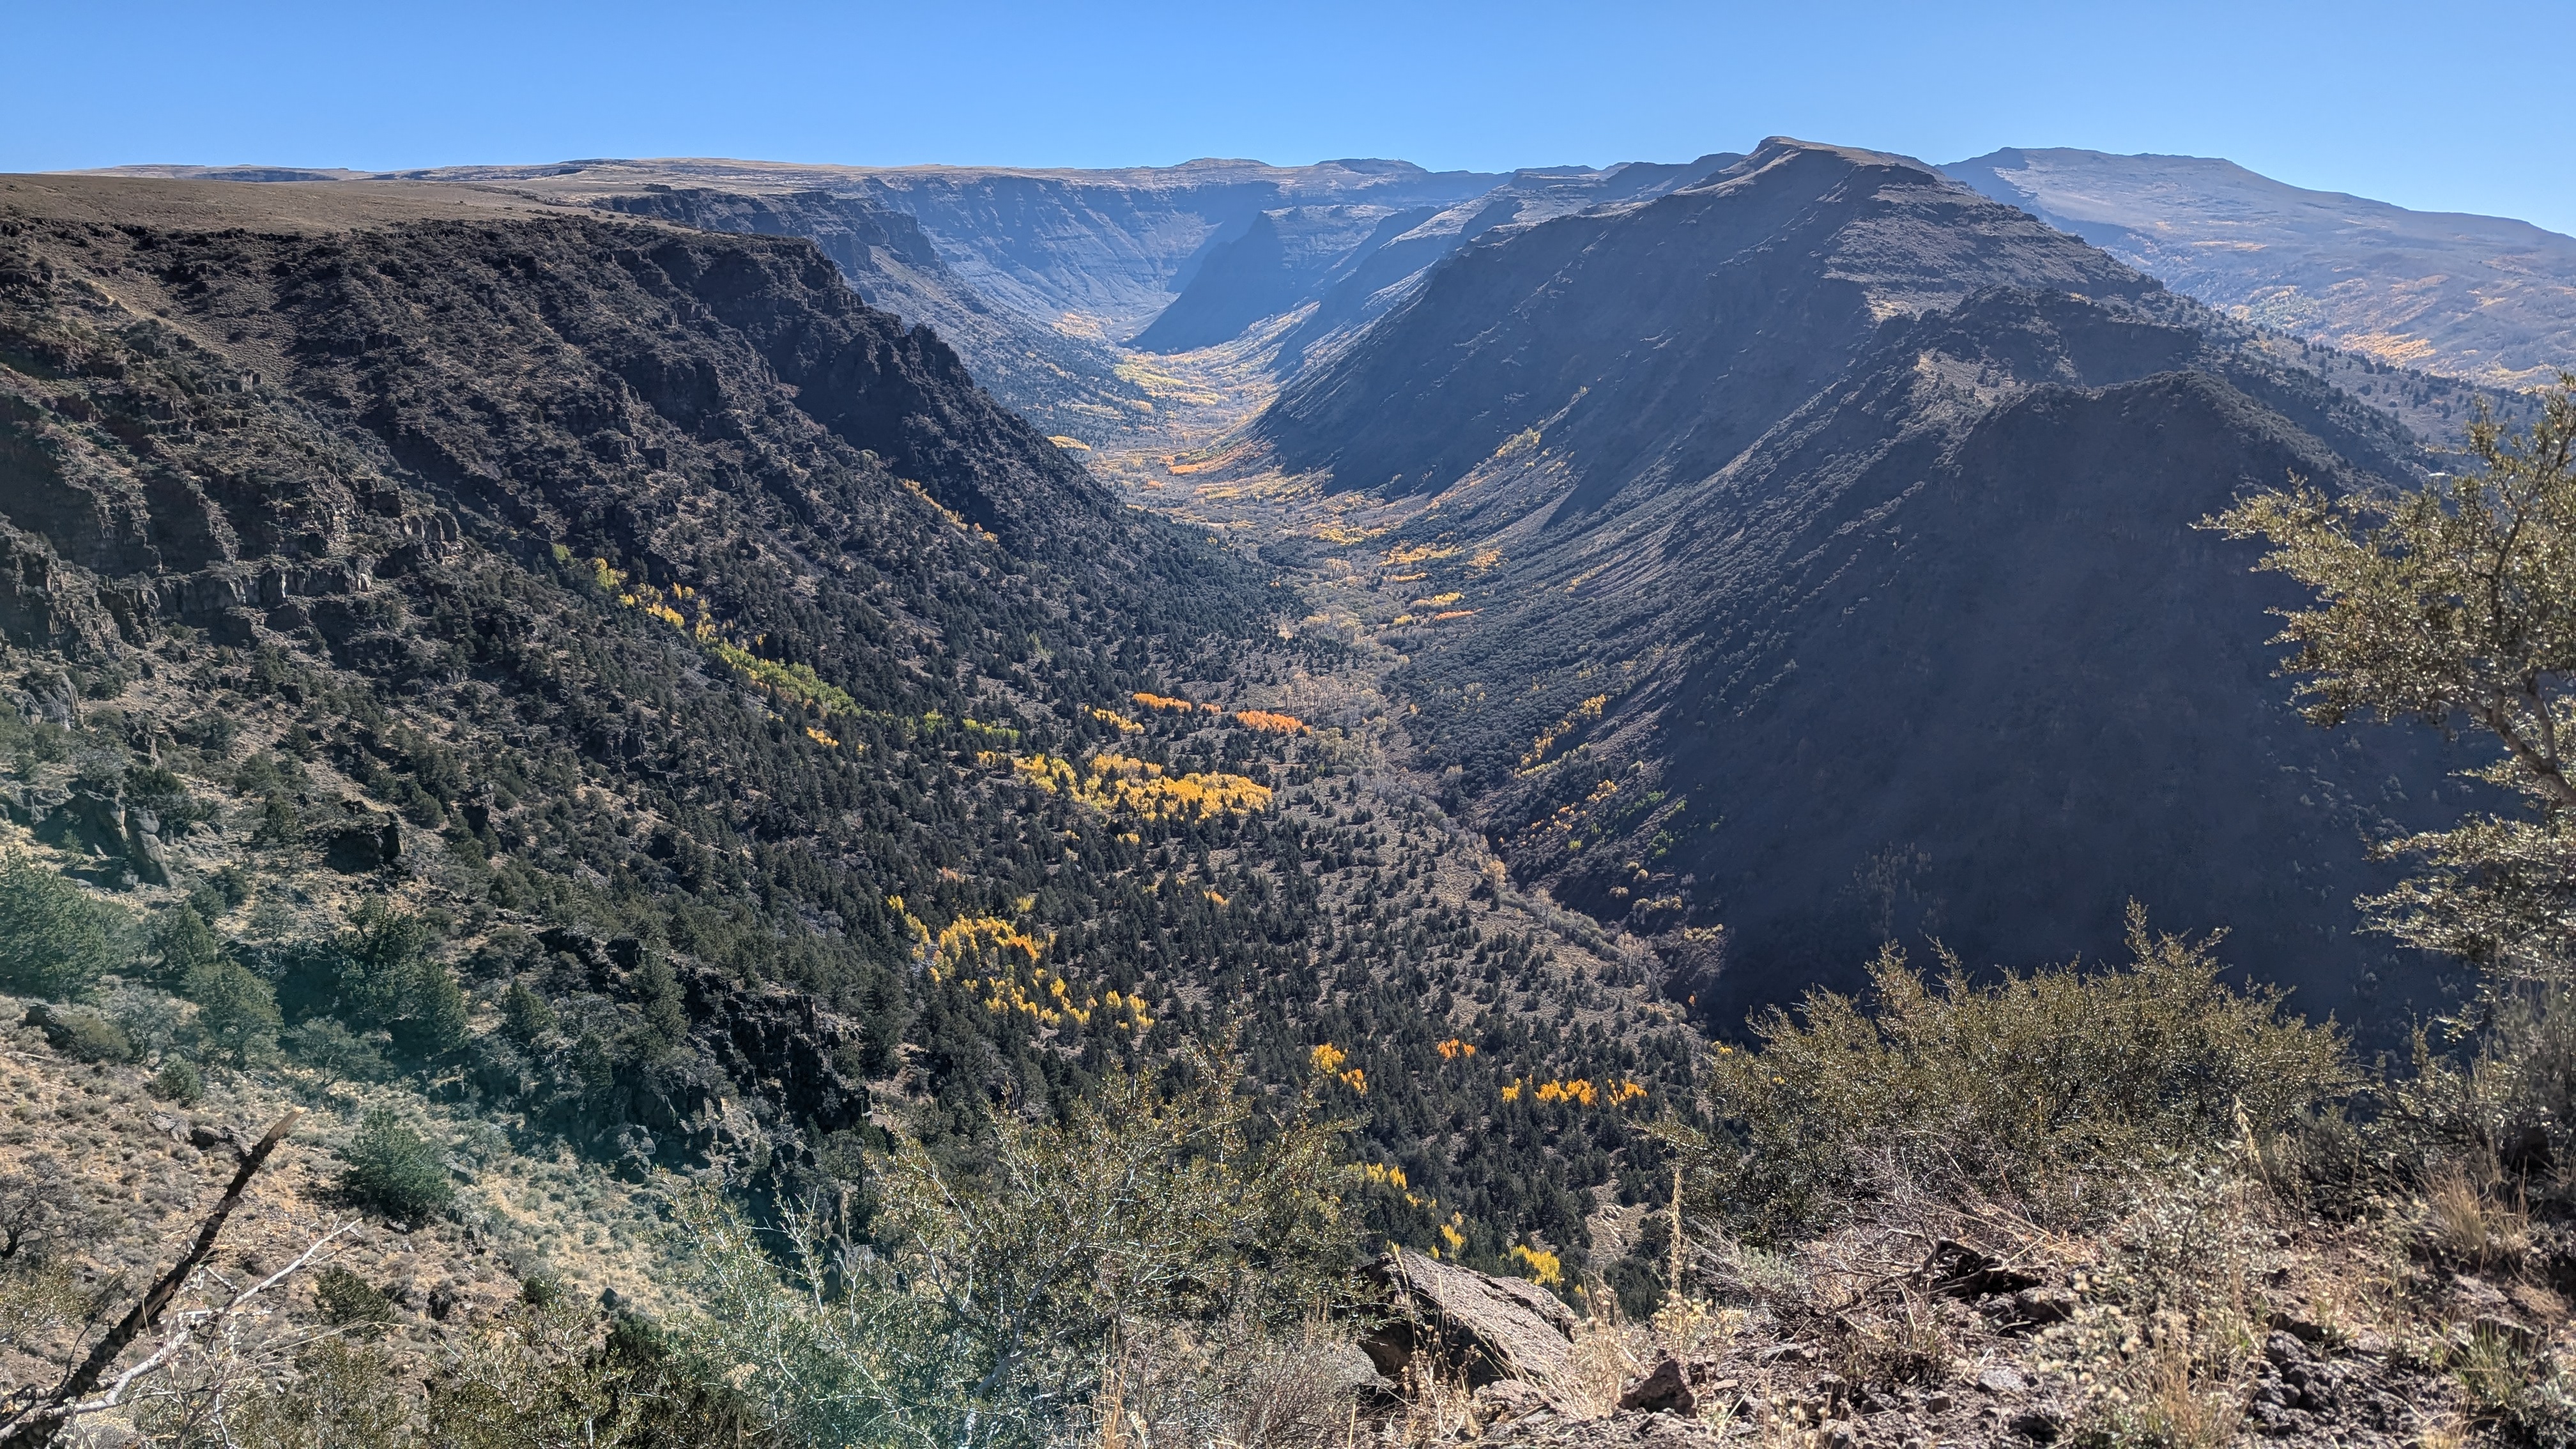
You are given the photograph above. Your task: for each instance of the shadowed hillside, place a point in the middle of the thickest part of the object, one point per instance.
(1806, 559)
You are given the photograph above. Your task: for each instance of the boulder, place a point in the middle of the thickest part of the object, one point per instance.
(1665, 1390)
(362, 844)
(1447, 1320)
(144, 854)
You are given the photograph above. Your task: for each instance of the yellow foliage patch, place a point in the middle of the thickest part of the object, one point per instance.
(798, 682)
(1116, 721)
(1580, 1090)
(951, 514)
(1345, 535)
(1455, 1048)
(1419, 553)
(1117, 782)
(1269, 723)
(1547, 738)
(1328, 1057)
(1545, 1267)
(970, 940)
(1384, 1174)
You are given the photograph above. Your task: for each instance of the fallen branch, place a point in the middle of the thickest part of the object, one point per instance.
(36, 1424)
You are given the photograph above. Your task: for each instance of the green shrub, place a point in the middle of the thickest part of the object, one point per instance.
(348, 1301)
(341, 1394)
(55, 942)
(666, 1014)
(525, 1016)
(998, 1294)
(394, 1169)
(84, 1035)
(179, 1081)
(236, 1009)
(386, 980)
(183, 941)
(2034, 1088)
(326, 1046)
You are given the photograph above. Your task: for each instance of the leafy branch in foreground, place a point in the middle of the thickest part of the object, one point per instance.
(2453, 604)
(998, 1299)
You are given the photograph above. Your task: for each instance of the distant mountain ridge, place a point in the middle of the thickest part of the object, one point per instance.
(1354, 263)
(1808, 561)
(2479, 297)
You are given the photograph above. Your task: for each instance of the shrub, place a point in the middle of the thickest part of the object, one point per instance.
(182, 939)
(2031, 1088)
(2515, 1078)
(341, 1393)
(84, 1035)
(1000, 1296)
(179, 1081)
(666, 1015)
(348, 1301)
(394, 1169)
(327, 1046)
(525, 1015)
(54, 941)
(385, 979)
(236, 1010)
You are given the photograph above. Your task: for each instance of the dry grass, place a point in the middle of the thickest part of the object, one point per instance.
(2177, 1403)
(2469, 1221)
(1608, 1356)
(1904, 1342)
(1237, 1383)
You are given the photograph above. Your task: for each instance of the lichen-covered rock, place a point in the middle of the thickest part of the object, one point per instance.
(1473, 1325)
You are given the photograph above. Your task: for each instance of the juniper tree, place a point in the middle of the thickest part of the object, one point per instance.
(2454, 605)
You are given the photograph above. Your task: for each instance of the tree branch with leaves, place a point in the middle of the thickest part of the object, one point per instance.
(2454, 605)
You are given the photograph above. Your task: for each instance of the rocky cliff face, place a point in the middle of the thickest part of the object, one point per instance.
(768, 729)
(1352, 273)
(475, 546)
(2477, 297)
(1065, 385)
(1115, 247)
(1811, 563)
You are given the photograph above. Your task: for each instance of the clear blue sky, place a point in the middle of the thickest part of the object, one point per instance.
(2384, 100)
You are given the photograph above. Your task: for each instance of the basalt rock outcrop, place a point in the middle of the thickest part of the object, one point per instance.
(1065, 384)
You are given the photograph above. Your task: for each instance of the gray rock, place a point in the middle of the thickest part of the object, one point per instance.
(144, 853)
(2002, 1380)
(1477, 1326)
